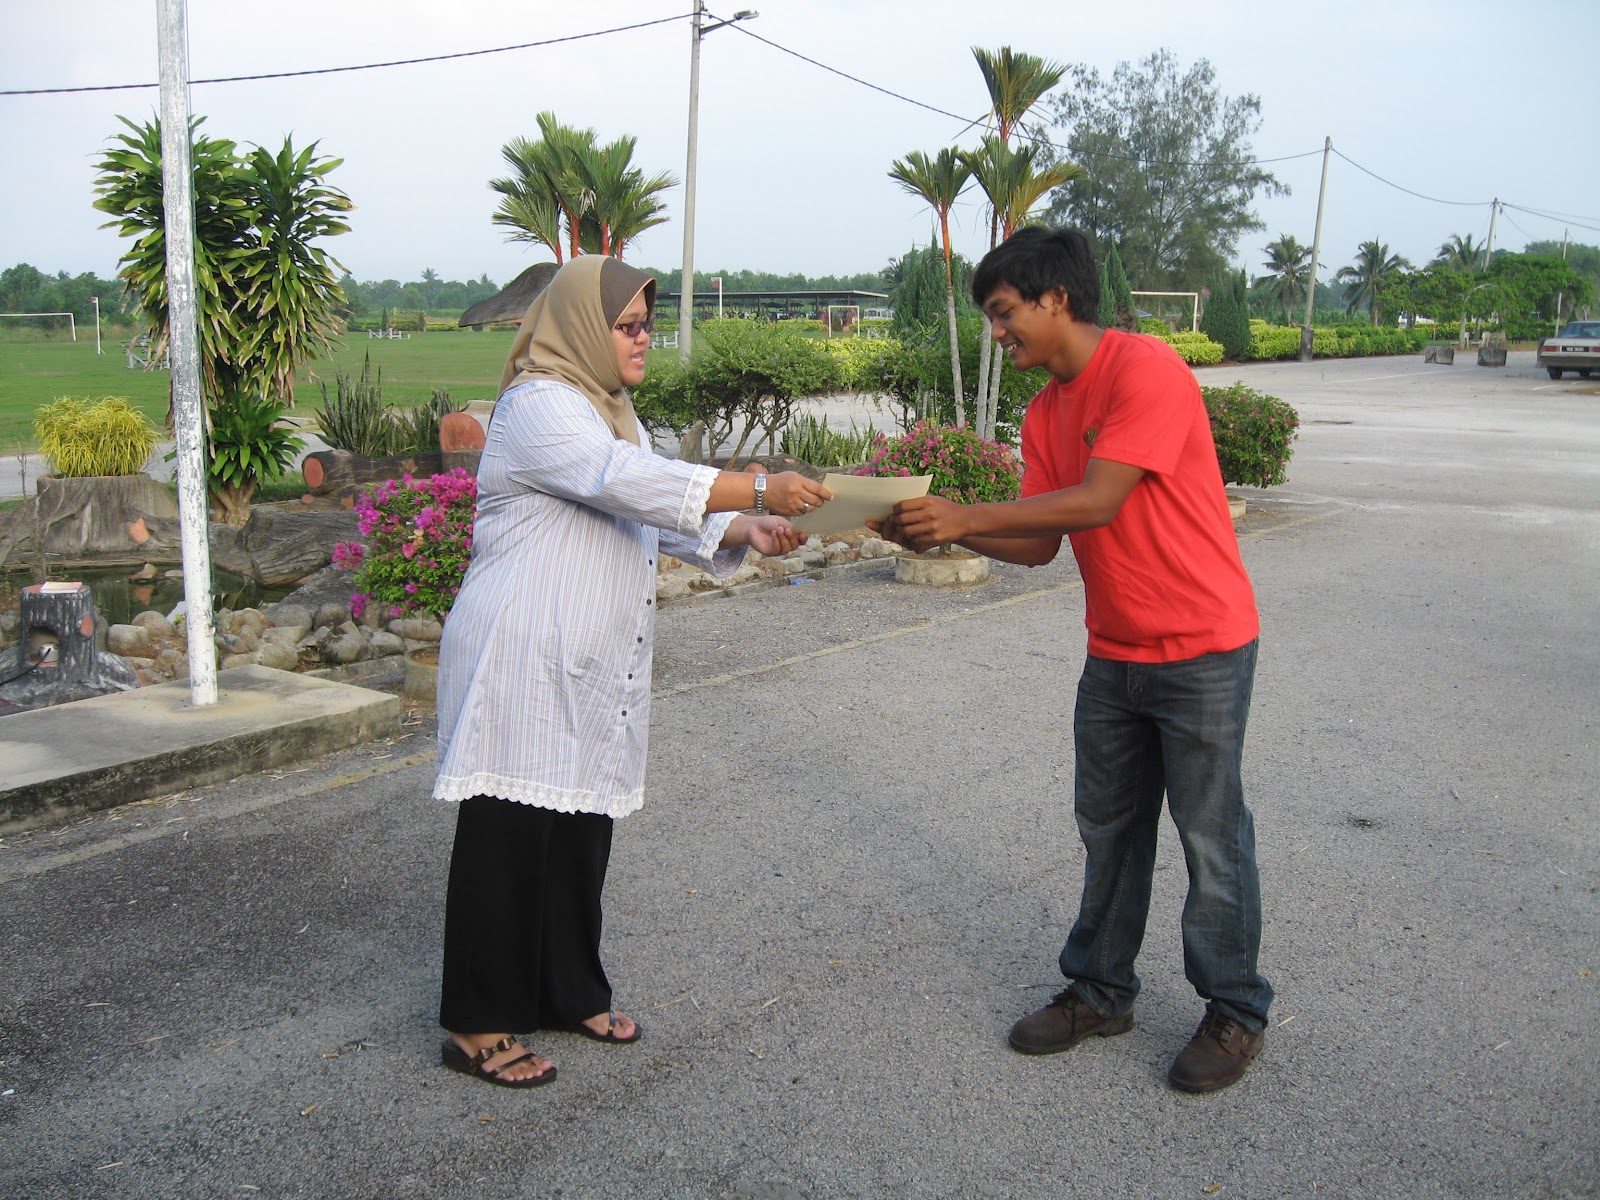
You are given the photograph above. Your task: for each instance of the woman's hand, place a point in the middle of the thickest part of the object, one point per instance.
(764, 535)
(773, 535)
(791, 494)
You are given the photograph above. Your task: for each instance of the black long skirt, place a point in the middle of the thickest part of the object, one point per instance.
(522, 918)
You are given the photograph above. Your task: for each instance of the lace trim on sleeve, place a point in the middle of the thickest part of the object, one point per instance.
(692, 517)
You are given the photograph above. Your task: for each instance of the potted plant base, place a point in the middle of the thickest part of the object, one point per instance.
(945, 566)
(422, 674)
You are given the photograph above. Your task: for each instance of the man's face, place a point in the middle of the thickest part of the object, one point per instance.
(1029, 331)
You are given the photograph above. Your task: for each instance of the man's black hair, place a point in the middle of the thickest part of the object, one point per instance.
(1036, 260)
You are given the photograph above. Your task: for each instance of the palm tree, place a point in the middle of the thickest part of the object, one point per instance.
(622, 201)
(1373, 267)
(1288, 265)
(574, 196)
(939, 181)
(1459, 253)
(1015, 81)
(1014, 184)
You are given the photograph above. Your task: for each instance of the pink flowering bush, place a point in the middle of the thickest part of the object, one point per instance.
(1254, 434)
(419, 541)
(965, 467)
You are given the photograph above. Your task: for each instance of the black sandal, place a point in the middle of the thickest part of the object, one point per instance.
(457, 1059)
(610, 1035)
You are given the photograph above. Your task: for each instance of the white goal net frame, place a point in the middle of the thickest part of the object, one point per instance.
(1194, 305)
(851, 322)
(72, 323)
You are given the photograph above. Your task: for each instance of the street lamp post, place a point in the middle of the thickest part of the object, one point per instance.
(698, 30)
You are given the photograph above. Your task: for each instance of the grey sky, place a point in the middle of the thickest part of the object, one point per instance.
(1461, 103)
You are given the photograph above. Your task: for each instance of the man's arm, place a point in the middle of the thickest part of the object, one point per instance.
(1026, 531)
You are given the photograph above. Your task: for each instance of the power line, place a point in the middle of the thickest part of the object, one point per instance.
(401, 62)
(1408, 191)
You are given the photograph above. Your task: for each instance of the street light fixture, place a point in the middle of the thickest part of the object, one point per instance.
(698, 30)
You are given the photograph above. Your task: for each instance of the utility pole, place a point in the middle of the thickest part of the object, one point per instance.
(1488, 249)
(188, 416)
(1316, 247)
(1558, 294)
(697, 31)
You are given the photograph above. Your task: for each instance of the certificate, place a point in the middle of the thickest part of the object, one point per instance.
(858, 499)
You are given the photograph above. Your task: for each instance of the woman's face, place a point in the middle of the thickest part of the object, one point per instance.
(630, 350)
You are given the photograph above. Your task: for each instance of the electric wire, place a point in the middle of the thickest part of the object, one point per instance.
(399, 62)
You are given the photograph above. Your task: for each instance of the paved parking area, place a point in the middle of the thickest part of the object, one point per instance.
(856, 867)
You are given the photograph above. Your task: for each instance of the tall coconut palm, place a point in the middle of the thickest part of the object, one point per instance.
(1365, 278)
(1459, 253)
(940, 181)
(1288, 266)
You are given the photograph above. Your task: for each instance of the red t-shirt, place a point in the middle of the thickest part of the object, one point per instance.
(1163, 581)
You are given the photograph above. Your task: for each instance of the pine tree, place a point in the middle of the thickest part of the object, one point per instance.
(1227, 316)
(1123, 314)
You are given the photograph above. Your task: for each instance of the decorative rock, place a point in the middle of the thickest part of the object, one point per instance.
(276, 656)
(343, 648)
(874, 547)
(813, 557)
(745, 573)
(292, 616)
(236, 660)
(331, 615)
(385, 643)
(671, 587)
(130, 641)
(286, 638)
(417, 629)
(9, 622)
(838, 552)
(156, 624)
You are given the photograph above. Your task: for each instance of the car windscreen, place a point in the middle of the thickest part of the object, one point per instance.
(1583, 329)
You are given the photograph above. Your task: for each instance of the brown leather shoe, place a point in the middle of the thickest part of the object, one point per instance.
(1062, 1024)
(1216, 1055)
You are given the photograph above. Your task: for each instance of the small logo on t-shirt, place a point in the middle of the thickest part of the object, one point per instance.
(1089, 436)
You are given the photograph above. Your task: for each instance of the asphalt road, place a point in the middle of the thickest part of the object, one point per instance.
(856, 867)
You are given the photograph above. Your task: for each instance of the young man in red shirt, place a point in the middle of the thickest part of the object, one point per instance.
(1118, 457)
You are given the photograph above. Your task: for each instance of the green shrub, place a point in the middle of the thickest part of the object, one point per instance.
(1196, 349)
(965, 467)
(1253, 433)
(1154, 326)
(81, 437)
(1273, 342)
(247, 445)
(356, 419)
(811, 441)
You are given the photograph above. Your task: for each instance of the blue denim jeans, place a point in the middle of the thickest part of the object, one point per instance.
(1143, 730)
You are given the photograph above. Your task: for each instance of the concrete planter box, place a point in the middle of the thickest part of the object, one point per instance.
(1491, 356)
(961, 569)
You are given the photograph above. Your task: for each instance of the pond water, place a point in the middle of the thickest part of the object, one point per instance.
(120, 598)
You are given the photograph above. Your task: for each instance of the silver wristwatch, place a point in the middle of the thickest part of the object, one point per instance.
(761, 494)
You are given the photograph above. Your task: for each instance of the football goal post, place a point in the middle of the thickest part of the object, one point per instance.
(843, 319)
(1173, 307)
(72, 324)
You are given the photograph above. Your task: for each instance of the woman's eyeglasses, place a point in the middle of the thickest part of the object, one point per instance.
(634, 328)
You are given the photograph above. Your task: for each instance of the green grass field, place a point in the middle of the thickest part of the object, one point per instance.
(33, 373)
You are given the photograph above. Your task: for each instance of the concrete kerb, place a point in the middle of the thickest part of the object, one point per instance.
(91, 754)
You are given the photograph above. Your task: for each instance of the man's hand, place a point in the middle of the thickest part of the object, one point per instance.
(925, 522)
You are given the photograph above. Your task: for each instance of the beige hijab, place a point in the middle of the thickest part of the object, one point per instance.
(567, 335)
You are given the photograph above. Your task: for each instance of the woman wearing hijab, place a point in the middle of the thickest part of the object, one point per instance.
(544, 675)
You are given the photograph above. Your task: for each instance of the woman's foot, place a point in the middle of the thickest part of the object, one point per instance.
(511, 1063)
(611, 1027)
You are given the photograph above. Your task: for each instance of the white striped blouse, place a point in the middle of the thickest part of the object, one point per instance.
(544, 671)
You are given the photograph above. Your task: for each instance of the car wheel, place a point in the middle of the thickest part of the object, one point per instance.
(1555, 372)
(1583, 374)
